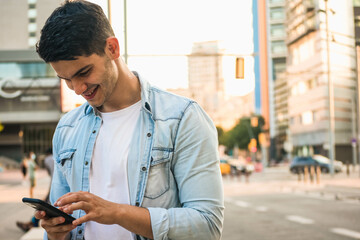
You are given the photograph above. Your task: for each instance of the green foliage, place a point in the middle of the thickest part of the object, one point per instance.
(241, 133)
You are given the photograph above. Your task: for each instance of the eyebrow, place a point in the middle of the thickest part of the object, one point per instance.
(77, 73)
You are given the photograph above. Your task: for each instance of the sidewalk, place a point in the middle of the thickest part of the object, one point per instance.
(278, 179)
(13, 189)
(34, 234)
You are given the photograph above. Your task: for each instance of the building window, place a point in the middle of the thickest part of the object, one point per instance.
(31, 42)
(277, 1)
(26, 70)
(32, 20)
(277, 14)
(32, 13)
(307, 118)
(356, 3)
(292, 121)
(278, 47)
(32, 34)
(277, 30)
(32, 6)
(32, 27)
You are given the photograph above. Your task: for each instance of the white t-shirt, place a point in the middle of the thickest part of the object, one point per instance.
(108, 172)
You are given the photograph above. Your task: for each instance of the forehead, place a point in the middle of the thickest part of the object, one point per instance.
(67, 68)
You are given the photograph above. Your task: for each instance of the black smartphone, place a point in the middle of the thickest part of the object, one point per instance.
(50, 210)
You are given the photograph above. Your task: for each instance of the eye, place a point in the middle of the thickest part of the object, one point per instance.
(85, 73)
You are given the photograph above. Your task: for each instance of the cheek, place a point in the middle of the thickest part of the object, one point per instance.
(69, 84)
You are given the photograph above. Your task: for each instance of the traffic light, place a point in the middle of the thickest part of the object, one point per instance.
(239, 68)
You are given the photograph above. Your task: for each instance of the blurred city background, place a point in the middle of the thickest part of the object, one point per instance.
(279, 78)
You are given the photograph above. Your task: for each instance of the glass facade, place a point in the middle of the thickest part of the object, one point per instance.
(26, 70)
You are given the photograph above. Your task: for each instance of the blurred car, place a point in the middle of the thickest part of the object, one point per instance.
(298, 164)
(241, 167)
(224, 167)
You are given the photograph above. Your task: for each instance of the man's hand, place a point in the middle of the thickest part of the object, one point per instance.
(134, 219)
(96, 208)
(53, 228)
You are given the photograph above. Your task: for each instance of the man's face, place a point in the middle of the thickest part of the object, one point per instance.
(92, 77)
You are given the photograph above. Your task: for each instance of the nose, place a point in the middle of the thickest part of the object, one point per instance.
(79, 87)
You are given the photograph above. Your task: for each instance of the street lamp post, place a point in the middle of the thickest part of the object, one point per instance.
(331, 96)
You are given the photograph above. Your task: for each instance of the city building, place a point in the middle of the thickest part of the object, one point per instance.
(356, 132)
(277, 83)
(261, 57)
(321, 77)
(207, 81)
(30, 102)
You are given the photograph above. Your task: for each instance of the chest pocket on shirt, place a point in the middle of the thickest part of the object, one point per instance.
(159, 177)
(64, 160)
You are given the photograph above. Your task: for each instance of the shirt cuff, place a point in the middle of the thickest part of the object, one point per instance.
(159, 222)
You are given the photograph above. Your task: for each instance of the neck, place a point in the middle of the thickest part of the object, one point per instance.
(127, 89)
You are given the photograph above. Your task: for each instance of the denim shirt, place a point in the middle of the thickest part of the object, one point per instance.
(173, 164)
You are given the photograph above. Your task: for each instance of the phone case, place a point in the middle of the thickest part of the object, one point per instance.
(50, 210)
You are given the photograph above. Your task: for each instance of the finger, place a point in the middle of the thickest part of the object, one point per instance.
(51, 222)
(71, 198)
(81, 220)
(40, 214)
(60, 228)
(76, 206)
(65, 207)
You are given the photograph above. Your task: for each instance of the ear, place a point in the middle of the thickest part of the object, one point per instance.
(112, 48)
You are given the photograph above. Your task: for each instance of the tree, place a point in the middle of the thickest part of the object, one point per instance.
(241, 133)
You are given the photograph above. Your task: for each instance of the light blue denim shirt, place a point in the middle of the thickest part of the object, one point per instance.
(173, 164)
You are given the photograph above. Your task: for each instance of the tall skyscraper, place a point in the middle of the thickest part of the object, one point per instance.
(277, 80)
(321, 76)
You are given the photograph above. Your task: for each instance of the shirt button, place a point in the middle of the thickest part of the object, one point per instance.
(86, 163)
(149, 135)
(80, 231)
(94, 131)
(143, 168)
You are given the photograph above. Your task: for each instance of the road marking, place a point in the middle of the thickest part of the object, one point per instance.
(261, 209)
(242, 204)
(346, 232)
(299, 219)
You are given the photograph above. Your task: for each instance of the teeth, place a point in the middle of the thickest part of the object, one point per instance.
(89, 93)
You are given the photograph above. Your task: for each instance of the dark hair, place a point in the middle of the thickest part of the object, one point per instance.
(77, 28)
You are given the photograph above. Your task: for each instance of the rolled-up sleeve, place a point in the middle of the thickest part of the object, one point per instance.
(197, 173)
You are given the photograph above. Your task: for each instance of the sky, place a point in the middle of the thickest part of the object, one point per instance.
(170, 27)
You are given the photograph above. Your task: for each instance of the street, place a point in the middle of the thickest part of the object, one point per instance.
(272, 205)
(290, 216)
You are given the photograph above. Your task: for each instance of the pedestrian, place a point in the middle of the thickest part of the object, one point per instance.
(31, 169)
(49, 166)
(134, 161)
(24, 166)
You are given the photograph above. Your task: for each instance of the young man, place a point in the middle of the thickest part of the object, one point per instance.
(134, 162)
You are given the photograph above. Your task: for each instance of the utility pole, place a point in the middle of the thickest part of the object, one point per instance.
(353, 128)
(358, 103)
(125, 34)
(109, 11)
(331, 97)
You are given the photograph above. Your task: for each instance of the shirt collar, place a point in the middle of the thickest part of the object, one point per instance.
(145, 103)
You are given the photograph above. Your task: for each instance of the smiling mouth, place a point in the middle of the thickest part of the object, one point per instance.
(90, 94)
